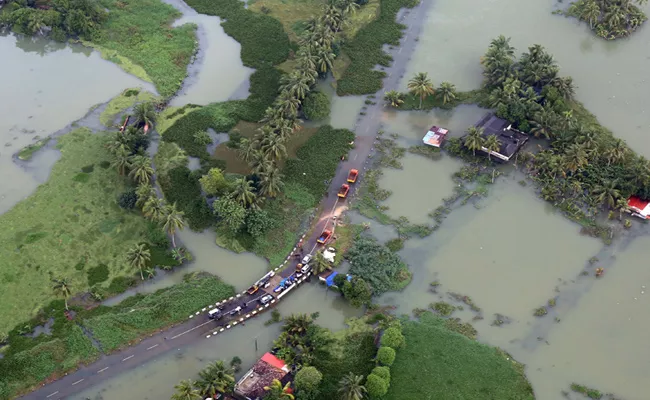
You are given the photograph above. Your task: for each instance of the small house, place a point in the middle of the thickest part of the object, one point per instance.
(638, 207)
(435, 136)
(266, 369)
(511, 139)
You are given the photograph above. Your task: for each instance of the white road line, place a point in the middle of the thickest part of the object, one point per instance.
(50, 395)
(190, 330)
(79, 381)
(367, 129)
(128, 358)
(355, 156)
(149, 348)
(102, 370)
(399, 51)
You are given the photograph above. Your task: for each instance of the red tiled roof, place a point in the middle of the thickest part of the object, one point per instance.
(274, 361)
(637, 203)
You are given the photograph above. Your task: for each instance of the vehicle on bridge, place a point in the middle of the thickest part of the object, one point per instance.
(235, 311)
(306, 259)
(215, 314)
(253, 289)
(343, 191)
(302, 269)
(324, 237)
(352, 176)
(265, 299)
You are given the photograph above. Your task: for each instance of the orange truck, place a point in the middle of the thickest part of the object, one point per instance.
(343, 191)
(352, 176)
(324, 237)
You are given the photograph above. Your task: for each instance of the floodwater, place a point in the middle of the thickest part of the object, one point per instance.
(44, 87)
(611, 76)
(156, 379)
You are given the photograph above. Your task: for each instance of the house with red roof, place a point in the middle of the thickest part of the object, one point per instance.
(638, 207)
(266, 369)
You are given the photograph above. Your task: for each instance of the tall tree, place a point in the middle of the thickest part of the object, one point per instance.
(62, 288)
(141, 169)
(172, 220)
(215, 378)
(421, 86)
(288, 103)
(121, 160)
(394, 98)
(144, 192)
(350, 387)
(297, 324)
(607, 193)
(270, 181)
(153, 208)
(492, 143)
(138, 256)
(447, 91)
(185, 391)
(474, 139)
(145, 115)
(243, 192)
(273, 147)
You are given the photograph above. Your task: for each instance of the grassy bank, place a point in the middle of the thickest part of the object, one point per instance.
(71, 224)
(27, 152)
(439, 364)
(137, 316)
(365, 50)
(128, 98)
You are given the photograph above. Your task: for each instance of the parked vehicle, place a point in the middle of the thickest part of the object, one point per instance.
(266, 299)
(343, 191)
(305, 268)
(352, 176)
(278, 289)
(324, 237)
(253, 289)
(235, 311)
(215, 314)
(306, 259)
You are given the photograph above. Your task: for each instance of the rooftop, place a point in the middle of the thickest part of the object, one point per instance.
(511, 140)
(435, 136)
(265, 370)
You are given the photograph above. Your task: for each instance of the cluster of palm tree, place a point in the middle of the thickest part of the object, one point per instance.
(585, 166)
(351, 387)
(301, 341)
(214, 379)
(422, 87)
(315, 57)
(476, 140)
(610, 19)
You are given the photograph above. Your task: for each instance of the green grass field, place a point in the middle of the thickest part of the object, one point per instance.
(139, 38)
(69, 225)
(440, 364)
(124, 100)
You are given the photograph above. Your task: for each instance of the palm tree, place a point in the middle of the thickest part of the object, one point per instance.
(243, 192)
(590, 12)
(617, 152)
(474, 139)
(62, 288)
(319, 264)
(575, 157)
(394, 98)
(144, 192)
(347, 7)
(259, 162)
(121, 161)
(172, 221)
(145, 115)
(272, 147)
(543, 123)
(185, 391)
(350, 387)
(502, 44)
(288, 103)
(153, 208)
(277, 391)
(215, 378)
(141, 170)
(448, 92)
(325, 58)
(138, 257)
(607, 193)
(564, 86)
(297, 324)
(421, 86)
(332, 17)
(492, 143)
(270, 181)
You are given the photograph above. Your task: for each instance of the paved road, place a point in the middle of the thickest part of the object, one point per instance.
(199, 326)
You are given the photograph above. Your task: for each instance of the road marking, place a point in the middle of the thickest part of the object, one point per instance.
(190, 330)
(406, 37)
(79, 381)
(399, 51)
(128, 358)
(149, 348)
(102, 370)
(367, 129)
(50, 395)
(355, 156)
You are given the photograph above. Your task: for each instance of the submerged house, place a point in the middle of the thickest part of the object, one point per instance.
(511, 139)
(435, 136)
(638, 207)
(266, 369)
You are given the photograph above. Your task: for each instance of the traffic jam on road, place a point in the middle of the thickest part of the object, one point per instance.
(278, 283)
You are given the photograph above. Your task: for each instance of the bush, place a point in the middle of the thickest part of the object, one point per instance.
(376, 386)
(213, 182)
(202, 138)
(316, 105)
(385, 356)
(259, 222)
(392, 337)
(318, 159)
(357, 292)
(308, 379)
(182, 187)
(365, 50)
(375, 264)
(156, 236)
(97, 274)
(128, 199)
(382, 372)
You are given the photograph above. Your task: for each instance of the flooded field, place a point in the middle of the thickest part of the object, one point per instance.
(45, 86)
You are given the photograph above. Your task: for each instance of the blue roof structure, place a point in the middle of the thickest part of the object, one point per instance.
(330, 279)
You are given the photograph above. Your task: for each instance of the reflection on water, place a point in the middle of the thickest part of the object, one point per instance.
(46, 85)
(611, 76)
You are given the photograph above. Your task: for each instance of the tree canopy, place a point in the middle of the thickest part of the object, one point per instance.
(375, 264)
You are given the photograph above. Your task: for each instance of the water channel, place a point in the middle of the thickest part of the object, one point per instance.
(510, 253)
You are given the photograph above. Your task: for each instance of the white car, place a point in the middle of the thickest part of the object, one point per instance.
(306, 259)
(266, 299)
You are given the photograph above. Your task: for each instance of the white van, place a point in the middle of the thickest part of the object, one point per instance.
(305, 269)
(215, 313)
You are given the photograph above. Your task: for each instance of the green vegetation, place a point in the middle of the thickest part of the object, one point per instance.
(316, 106)
(262, 38)
(115, 327)
(67, 227)
(126, 99)
(439, 364)
(442, 308)
(586, 391)
(365, 50)
(609, 19)
(376, 264)
(27, 152)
